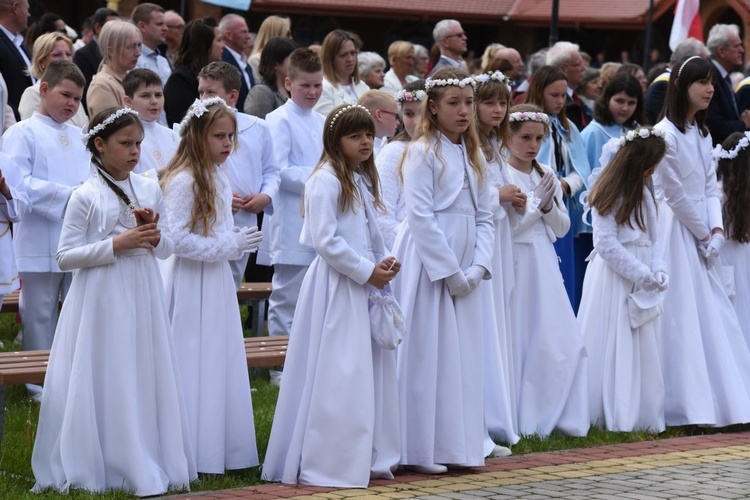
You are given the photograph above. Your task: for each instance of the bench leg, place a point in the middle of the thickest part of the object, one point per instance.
(259, 317)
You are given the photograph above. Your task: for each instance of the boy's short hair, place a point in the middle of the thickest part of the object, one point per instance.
(142, 12)
(375, 99)
(304, 60)
(223, 72)
(137, 77)
(57, 71)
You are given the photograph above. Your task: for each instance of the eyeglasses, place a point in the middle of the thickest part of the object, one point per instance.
(388, 112)
(178, 27)
(460, 35)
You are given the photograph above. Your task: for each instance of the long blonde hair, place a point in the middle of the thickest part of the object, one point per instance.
(354, 119)
(427, 126)
(194, 156)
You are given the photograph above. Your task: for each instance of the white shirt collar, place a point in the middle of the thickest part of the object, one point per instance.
(17, 39)
(721, 69)
(240, 58)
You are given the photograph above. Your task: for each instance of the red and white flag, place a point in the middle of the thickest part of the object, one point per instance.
(687, 23)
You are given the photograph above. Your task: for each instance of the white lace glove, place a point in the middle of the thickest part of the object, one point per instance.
(662, 280)
(474, 275)
(650, 283)
(545, 191)
(458, 285)
(249, 237)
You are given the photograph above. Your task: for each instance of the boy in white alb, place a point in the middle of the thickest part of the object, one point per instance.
(144, 93)
(384, 111)
(53, 161)
(297, 133)
(251, 169)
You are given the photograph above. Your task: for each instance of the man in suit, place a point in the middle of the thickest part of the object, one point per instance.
(725, 48)
(14, 61)
(237, 41)
(450, 37)
(567, 57)
(88, 58)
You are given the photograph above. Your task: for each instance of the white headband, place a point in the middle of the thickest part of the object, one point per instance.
(686, 61)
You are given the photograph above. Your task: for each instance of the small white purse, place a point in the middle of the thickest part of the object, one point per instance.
(644, 306)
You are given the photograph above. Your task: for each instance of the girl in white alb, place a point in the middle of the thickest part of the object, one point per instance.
(201, 293)
(704, 357)
(622, 290)
(493, 95)
(549, 357)
(112, 414)
(446, 249)
(337, 421)
(733, 171)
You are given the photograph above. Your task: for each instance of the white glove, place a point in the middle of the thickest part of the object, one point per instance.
(545, 191)
(650, 283)
(711, 249)
(474, 275)
(250, 237)
(458, 285)
(662, 280)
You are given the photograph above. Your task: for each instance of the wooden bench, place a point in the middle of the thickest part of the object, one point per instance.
(250, 294)
(30, 367)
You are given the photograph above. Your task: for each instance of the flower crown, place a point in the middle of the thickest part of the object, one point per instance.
(642, 133)
(197, 109)
(430, 82)
(720, 153)
(85, 137)
(498, 76)
(344, 110)
(407, 96)
(529, 116)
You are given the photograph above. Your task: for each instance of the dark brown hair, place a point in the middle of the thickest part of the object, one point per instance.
(540, 80)
(621, 82)
(734, 175)
(677, 103)
(622, 180)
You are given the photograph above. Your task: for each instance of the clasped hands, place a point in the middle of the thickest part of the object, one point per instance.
(463, 283)
(711, 247)
(384, 272)
(145, 234)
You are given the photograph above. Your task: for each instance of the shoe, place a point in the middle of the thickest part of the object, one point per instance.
(429, 469)
(276, 381)
(500, 452)
(36, 397)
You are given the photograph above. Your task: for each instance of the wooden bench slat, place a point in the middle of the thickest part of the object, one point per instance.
(31, 366)
(247, 292)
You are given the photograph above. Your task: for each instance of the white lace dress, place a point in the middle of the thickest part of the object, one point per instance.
(112, 414)
(207, 330)
(626, 389)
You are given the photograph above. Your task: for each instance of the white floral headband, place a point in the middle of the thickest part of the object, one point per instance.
(641, 133)
(198, 108)
(344, 110)
(529, 116)
(429, 83)
(86, 136)
(407, 96)
(720, 153)
(497, 76)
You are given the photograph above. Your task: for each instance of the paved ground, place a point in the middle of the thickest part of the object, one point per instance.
(705, 467)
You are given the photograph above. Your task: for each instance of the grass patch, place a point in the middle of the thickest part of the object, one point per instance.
(16, 477)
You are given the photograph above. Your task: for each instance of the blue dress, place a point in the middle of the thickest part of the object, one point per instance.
(574, 247)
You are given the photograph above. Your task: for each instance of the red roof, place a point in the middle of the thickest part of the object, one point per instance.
(599, 13)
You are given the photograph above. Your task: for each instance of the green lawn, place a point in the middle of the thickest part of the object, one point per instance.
(21, 416)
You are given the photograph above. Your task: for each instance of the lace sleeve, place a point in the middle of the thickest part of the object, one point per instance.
(611, 250)
(218, 246)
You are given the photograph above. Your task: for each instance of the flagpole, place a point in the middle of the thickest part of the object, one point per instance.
(647, 46)
(553, 34)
